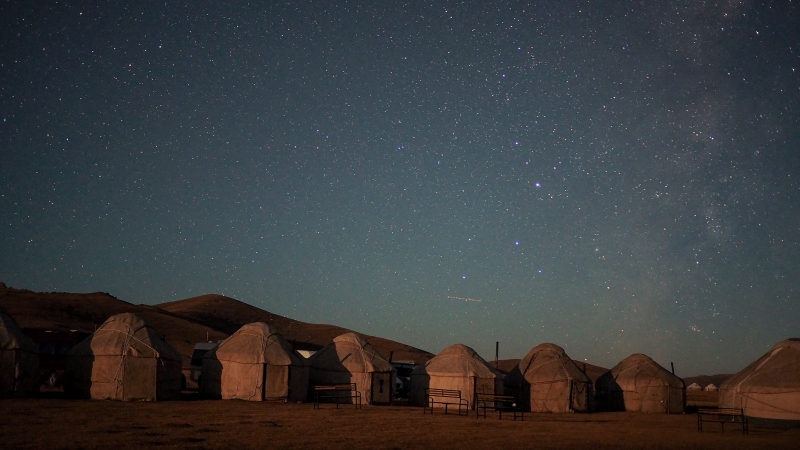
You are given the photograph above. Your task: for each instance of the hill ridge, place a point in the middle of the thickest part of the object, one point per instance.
(183, 322)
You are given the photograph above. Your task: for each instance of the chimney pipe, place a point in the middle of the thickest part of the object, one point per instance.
(673, 367)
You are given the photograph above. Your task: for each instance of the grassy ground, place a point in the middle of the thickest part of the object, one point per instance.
(54, 423)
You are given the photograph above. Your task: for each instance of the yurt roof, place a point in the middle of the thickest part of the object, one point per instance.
(458, 360)
(256, 343)
(639, 369)
(351, 353)
(126, 332)
(776, 370)
(553, 360)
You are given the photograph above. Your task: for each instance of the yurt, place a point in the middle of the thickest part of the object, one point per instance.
(255, 363)
(639, 384)
(19, 360)
(694, 387)
(125, 359)
(547, 380)
(769, 388)
(351, 359)
(711, 388)
(457, 367)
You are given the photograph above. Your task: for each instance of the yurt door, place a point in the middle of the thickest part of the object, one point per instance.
(277, 382)
(382, 387)
(139, 378)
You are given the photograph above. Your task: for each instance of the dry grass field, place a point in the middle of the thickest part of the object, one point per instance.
(53, 423)
(701, 399)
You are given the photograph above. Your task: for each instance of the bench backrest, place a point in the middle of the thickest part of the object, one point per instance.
(448, 393)
(335, 387)
(498, 398)
(722, 411)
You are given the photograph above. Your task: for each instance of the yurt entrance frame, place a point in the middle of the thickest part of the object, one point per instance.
(139, 378)
(276, 380)
(382, 389)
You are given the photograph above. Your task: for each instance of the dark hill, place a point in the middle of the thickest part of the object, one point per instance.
(228, 315)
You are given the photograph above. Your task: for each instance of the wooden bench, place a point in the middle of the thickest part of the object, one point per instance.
(723, 416)
(499, 403)
(337, 392)
(446, 397)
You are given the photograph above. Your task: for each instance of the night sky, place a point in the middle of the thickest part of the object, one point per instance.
(613, 177)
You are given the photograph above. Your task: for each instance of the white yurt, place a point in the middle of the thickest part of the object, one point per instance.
(548, 380)
(351, 359)
(255, 363)
(637, 383)
(457, 367)
(768, 388)
(125, 359)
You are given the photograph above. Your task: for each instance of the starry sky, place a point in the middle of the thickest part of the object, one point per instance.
(613, 177)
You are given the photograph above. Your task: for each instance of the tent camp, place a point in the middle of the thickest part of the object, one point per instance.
(547, 380)
(19, 360)
(351, 359)
(694, 387)
(711, 387)
(457, 367)
(769, 388)
(254, 363)
(125, 359)
(639, 384)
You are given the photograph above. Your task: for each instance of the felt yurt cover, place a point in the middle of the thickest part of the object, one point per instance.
(351, 359)
(125, 359)
(254, 363)
(768, 388)
(694, 387)
(19, 360)
(711, 387)
(457, 367)
(637, 383)
(547, 380)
